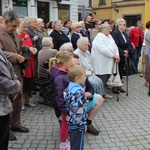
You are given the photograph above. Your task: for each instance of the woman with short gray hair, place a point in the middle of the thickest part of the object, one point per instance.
(67, 47)
(103, 55)
(44, 55)
(58, 36)
(122, 41)
(84, 57)
(47, 41)
(40, 28)
(119, 22)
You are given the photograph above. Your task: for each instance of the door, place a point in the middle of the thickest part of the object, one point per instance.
(43, 11)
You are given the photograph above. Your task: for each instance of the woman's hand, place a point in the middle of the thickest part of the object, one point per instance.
(117, 58)
(33, 50)
(125, 53)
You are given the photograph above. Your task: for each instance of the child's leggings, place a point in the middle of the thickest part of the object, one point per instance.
(64, 129)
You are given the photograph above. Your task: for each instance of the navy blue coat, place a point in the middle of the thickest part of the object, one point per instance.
(120, 42)
(74, 39)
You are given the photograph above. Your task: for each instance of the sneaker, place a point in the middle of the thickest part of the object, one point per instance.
(30, 104)
(23, 107)
(107, 96)
(92, 130)
(65, 147)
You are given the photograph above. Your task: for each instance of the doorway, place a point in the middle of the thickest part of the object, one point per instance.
(43, 11)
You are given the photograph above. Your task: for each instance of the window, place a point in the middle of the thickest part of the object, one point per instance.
(20, 7)
(102, 2)
(63, 12)
(43, 11)
(131, 20)
(90, 3)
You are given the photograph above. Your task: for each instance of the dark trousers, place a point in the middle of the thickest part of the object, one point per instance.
(77, 139)
(136, 55)
(4, 132)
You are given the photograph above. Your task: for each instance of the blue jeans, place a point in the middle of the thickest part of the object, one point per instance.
(136, 55)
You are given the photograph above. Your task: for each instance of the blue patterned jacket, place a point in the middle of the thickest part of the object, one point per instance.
(76, 105)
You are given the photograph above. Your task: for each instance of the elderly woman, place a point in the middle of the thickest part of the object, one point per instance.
(95, 30)
(44, 55)
(122, 41)
(58, 36)
(40, 27)
(147, 54)
(29, 71)
(103, 54)
(84, 57)
(76, 34)
(67, 47)
(82, 29)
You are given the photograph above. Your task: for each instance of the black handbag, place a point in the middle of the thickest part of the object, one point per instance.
(25, 63)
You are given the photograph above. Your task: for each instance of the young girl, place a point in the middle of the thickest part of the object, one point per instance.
(58, 73)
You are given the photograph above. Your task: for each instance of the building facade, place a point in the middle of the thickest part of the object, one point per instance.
(131, 11)
(49, 10)
(84, 8)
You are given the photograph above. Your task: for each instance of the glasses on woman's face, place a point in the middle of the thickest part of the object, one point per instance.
(78, 27)
(123, 24)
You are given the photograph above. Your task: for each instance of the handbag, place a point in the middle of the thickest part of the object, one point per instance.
(25, 63)
(114, 79)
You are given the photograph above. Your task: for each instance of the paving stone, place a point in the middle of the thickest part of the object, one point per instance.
(123, 125)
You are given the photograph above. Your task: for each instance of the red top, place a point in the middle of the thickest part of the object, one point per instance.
(135, 36)
(29, 72)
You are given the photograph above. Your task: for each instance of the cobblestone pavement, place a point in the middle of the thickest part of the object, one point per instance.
(123, 125)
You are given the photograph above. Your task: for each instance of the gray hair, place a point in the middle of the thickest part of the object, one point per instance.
(39, 20)
(81, 41)
(119, 22)
(32, 18)
(103, 26)
(24, 21)
(66, 47)
(11, 15)
(55, 23)
(47, 41)
(139, 23)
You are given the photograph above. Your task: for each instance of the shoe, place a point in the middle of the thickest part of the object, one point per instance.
(30, 104)
(148, 93)
(107, 96)
(121, 90)
(20, 129)
(12, 137)
(92, 130)
(23, 107)
(65, 147)
(115, 90)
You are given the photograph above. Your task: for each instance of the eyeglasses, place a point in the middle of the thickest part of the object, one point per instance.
(78, 27)
(123, 24)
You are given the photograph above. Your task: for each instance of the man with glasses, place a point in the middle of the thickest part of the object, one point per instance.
(11, 45)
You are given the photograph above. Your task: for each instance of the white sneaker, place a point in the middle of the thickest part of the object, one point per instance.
(23, 107)
(107, 96)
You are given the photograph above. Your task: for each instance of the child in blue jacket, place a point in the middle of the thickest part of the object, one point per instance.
(75, 99)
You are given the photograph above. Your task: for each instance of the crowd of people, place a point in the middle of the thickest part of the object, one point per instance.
(81, 57)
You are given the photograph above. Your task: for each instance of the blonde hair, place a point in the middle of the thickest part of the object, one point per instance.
(60, 58)
(74, 25)
(76, 71)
